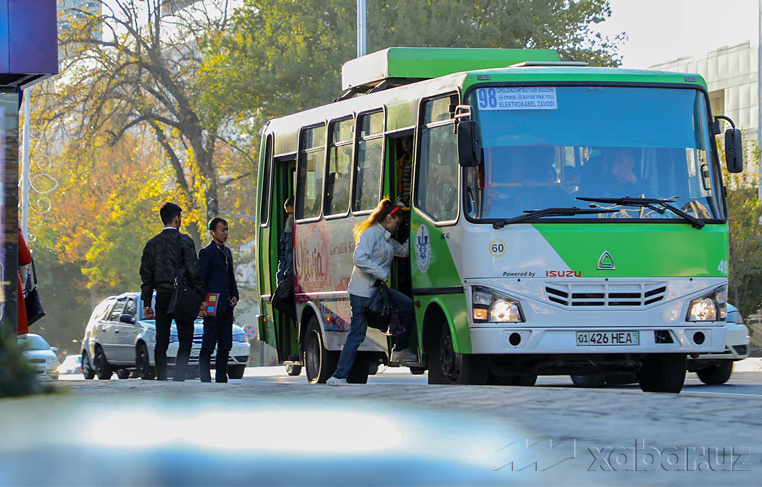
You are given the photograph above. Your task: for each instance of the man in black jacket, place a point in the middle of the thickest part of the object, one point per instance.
(222, 296)
(168, 255)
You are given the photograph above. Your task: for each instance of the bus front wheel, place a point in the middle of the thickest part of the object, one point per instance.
(450, 367)
(319, 362)
(662, 373)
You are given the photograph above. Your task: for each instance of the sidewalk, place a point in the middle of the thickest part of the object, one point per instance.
(751, 364)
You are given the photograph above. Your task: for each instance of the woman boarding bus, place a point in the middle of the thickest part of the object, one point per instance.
(373, 255)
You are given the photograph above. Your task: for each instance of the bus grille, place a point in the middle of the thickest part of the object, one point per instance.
(606, 295)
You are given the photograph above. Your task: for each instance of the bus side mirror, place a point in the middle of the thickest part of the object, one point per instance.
(733, 150)
(469, 143)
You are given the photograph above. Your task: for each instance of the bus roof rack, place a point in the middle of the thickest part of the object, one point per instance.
(530, 64)
(408, 64)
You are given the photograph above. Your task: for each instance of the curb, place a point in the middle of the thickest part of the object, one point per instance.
(751, 364)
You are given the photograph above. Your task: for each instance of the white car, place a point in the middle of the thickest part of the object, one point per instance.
(716, 368)
(119, 339)
(40, 355)
(72, 364)
(711, 368)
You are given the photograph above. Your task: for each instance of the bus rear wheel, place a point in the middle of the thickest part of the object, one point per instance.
(451, 367)
(663, 373)
(319, 362)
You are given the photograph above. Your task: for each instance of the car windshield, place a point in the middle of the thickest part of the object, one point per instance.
(34, 343)
(546, 146)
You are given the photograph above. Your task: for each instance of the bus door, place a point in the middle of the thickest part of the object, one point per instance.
(400, 159)
(283, 189)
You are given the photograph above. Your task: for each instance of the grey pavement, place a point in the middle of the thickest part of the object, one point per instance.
(396, 430)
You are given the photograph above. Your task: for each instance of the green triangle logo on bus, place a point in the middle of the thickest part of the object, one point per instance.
(606, 262)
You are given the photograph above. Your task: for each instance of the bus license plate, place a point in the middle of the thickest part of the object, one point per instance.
(607, 338)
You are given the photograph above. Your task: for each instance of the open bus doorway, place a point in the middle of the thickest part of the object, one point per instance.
(400, 147)
(285, 320)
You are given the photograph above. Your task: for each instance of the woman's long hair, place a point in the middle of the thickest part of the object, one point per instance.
(385, 206)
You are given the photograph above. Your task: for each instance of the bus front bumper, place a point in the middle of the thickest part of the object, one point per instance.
(663, 339)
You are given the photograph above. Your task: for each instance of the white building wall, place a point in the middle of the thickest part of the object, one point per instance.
(731, 76)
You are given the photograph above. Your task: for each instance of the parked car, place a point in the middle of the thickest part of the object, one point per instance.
(716, 368)
(118, 338)
(72, 364)
(40, 355)
(711, 368)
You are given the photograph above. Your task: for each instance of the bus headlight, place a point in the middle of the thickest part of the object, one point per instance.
(490, 306)
(713, 307)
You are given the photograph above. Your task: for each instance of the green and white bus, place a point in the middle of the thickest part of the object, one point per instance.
(564, 219)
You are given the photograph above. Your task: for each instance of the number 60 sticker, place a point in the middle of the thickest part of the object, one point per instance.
(497, 248)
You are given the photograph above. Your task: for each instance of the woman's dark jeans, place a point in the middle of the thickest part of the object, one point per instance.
(359, 327)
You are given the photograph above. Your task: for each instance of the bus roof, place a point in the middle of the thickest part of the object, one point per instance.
(432, 62)
(401, 103)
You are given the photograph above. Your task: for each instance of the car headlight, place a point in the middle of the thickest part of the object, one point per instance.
(712, 307)
(239, 337)
(493, 307)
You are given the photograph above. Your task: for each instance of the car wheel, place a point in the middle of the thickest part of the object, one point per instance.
(102, 369)
(319, 363)
(87, 369)
(716, 374)
(236, 371)
(123, 373)
(457, 368)
(588, 381)
(662, 373)
(293, 370)
(143, 362)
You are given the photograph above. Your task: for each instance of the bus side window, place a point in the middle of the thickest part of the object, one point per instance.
(264, 203)
(311, 167)
(339, 162)
(368, 177)
(437, 179)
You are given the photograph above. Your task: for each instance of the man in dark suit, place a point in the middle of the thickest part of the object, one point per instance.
(219, 281)
(166, 256)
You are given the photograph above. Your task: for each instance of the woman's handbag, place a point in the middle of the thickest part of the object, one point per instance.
(283, 297)
(32, 301)
(381, 313)
(185, 302)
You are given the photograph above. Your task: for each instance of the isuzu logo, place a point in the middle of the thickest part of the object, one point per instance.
(606, 262)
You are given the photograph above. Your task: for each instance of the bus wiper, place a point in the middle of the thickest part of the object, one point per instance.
(649, 203)
(532, 214)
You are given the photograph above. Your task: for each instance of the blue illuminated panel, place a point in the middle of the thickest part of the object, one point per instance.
(28, 37)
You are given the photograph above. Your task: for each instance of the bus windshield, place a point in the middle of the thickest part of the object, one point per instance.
(546, 146)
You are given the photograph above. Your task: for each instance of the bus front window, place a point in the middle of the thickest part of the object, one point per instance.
(594, 142)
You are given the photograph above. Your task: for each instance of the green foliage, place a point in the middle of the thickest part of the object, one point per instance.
(283, 56)
(16, 377)
(745, 241)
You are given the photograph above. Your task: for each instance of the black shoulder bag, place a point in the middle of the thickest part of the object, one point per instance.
(381, 313)
(186, 301)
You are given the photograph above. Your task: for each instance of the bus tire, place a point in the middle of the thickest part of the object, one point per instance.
(358, 374)
(511, 380)
(662, 373)
(456, 368)
(588, 381)
(319, 363)
(716, 374)
(293, 370)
